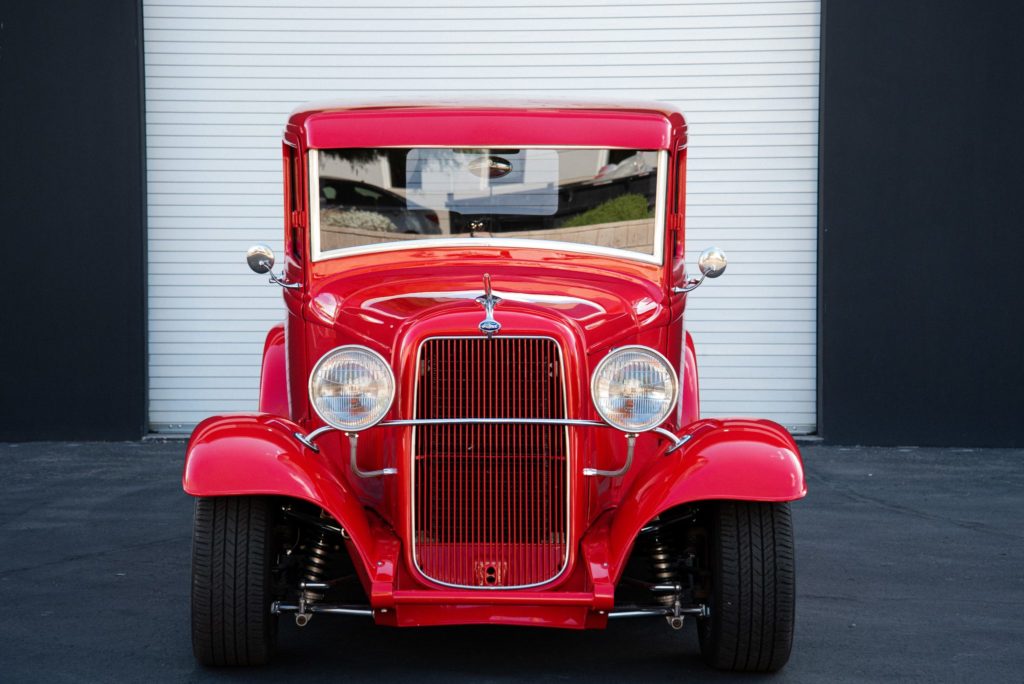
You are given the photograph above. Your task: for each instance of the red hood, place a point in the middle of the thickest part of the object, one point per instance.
(374, 298)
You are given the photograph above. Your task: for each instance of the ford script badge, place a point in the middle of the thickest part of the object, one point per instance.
(488, 326)
(490, 167)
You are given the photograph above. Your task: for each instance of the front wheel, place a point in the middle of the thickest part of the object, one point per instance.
(753, 592)
(231, 581)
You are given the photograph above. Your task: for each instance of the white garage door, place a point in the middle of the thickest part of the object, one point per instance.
(221, 80)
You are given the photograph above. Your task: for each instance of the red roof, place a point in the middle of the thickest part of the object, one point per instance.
(489, 123)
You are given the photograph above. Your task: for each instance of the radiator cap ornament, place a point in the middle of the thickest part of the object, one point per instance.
(488, 326)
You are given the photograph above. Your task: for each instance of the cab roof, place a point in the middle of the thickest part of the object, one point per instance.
(483, 123)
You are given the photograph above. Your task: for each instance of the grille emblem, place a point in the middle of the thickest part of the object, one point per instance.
(488, 326)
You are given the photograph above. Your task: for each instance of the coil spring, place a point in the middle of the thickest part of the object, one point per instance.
(316, 566)
(663, 566)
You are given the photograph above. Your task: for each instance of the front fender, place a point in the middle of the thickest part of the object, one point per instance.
(752, 460)
(257, 454)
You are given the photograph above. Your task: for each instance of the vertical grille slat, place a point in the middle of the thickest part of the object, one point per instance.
(490, 501)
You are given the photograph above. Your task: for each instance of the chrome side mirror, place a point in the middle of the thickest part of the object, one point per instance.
(260, 258)
(712, 263)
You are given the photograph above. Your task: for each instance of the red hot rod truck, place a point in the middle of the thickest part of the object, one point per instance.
(482, 405)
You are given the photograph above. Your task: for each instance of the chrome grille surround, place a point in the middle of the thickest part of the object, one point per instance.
(463, 550)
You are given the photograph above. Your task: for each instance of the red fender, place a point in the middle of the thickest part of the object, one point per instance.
(274, 376)
(257, 454)
(753, 460)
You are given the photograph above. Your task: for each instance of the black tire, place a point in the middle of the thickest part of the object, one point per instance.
(231, 581)
(753, 587)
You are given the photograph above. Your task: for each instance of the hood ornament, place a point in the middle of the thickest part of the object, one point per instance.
(488, 326)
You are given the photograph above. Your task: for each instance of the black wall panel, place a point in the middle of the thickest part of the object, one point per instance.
(72, 218)
(922, 223)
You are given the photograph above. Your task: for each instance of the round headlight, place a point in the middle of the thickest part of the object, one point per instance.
(351, 388)
(634, 388)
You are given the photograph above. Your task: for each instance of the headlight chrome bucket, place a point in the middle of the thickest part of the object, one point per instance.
(634, 388)
(351, 388)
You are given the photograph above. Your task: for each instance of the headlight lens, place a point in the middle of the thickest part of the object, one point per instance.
(351, 388)
(634, 388)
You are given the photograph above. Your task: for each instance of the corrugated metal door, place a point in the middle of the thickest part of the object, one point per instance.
(221, 80)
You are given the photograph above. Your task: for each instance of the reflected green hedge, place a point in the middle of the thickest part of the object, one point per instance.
(622, 208)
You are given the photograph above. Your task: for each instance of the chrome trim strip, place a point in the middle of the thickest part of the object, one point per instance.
(441, 421)
(500, 294)
(507, 243)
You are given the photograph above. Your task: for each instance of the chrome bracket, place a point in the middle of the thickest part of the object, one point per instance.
(690, 285)
(308, 440)
(279, 280)
(675, 621)
(630, 448)
(677, 442)
(268, 264)
(353, 447)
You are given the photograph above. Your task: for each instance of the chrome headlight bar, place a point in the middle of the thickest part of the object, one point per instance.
(634, 390)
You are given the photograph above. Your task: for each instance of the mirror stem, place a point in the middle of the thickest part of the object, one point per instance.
(283, 283)
(691, 284)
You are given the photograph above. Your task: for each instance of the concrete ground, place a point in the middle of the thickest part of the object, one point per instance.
(910, 568)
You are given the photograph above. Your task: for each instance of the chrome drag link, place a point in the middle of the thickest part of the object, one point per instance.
(304, 612)
(674, 615)
(657, 611)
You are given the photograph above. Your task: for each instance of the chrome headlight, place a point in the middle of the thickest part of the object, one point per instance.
(351, 388)
(634, 388)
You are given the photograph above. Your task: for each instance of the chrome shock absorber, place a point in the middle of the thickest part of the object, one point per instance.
(663, 568)
(312, 575)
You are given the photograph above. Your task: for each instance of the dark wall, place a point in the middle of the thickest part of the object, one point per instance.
(72, 217)
(922, 223)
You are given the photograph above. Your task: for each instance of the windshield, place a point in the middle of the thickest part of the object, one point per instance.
(595, 200)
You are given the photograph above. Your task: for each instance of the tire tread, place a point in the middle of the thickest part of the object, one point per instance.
(231, 623)
(751, 626)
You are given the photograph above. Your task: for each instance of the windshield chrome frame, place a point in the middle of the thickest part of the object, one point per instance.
(660, 206)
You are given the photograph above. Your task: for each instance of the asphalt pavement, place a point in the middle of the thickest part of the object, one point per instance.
(910, 567)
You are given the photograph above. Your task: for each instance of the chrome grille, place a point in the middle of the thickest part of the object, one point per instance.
(490, 502)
